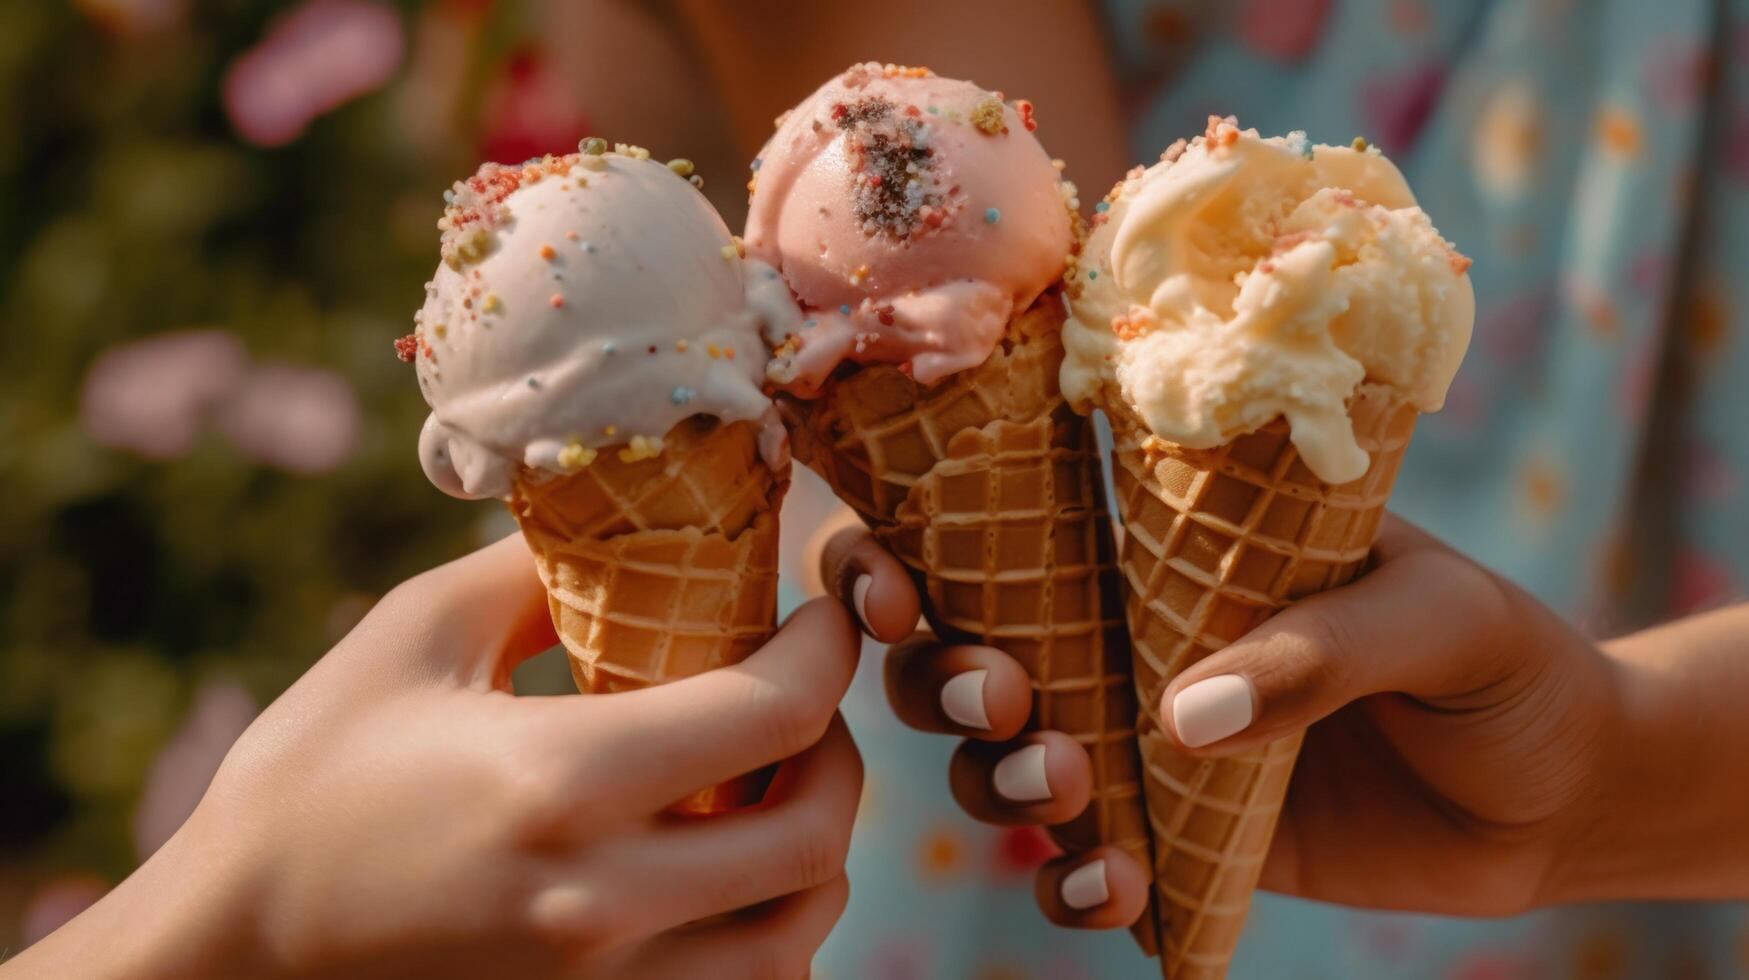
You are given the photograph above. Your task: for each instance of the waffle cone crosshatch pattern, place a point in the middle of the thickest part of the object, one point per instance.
(1215, 542)
(988, 488)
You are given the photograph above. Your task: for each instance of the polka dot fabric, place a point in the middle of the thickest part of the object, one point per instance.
(1594, 159)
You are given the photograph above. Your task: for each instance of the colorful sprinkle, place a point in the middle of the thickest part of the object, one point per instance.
(610, 430)
(1297, 142)
(557, 301)
(575, 456)
(1102, 207)
(640, 448)
(681, 395)
(713, 350)
(547, 253)
(491, 304)
(681, 166)
(593, 146)
(844, 309)
(570, 236)
(730, 253)
(1092, 273)
(987, 116)
(682, 345)
(992, 215)
(533, 382)
(441, 330)
(608, 347)
(406, 348)
(756, 164)
(1024, 109)
(1359, 145)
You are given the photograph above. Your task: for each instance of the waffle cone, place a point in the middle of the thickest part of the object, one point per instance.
(660, 569)
(987, 487)
(1216, 541)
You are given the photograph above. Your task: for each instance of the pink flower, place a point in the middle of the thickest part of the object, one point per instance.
(531, 110)
(186, 764)
(304, 420)
(152, 396)
(317, 58)
(56, 903)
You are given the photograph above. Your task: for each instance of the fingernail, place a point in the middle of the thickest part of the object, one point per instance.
(859, 598)
(1085, 887)
(1212, 709)
(962, 698)
(1020, 778)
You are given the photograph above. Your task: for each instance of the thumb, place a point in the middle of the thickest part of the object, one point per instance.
(1425, 622)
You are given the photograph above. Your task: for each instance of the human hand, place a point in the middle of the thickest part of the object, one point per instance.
(985, 695)
(1463, 729)
(397, 811)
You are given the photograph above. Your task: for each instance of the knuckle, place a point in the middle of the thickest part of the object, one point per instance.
(571, 922)
(541, 800)
(1316, 656)
(820, 850)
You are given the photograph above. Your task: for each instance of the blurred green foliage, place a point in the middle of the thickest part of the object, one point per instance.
(128, 207)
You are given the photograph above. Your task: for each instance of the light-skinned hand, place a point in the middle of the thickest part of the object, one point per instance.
(399, 812)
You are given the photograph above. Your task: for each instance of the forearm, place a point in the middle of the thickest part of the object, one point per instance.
(1051, 53)
(177, 916)
(1672, 806)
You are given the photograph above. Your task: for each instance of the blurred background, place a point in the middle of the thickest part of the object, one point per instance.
(217, 217)
(218, 214)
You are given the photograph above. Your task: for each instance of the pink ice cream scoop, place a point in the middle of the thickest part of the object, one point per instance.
(911, 215)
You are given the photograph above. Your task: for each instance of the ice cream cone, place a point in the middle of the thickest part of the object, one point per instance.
(658, 569)
(988, 488)
(1215, 542)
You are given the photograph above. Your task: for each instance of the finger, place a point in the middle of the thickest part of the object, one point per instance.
(874, 584)
(778, 940)
(1426, 622)
(684, 869)
(485, 612)
(1099, 889)
(976, 691)
(1040, 778)
(657, 745)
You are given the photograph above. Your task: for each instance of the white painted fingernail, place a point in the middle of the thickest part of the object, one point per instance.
(1085, 887)
(1212, 709)
(859, 598)
(962, 698)
(1020, 778)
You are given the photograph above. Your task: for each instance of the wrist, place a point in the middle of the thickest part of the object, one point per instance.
(183, 913)
(1586, 862)
(1646, 828)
